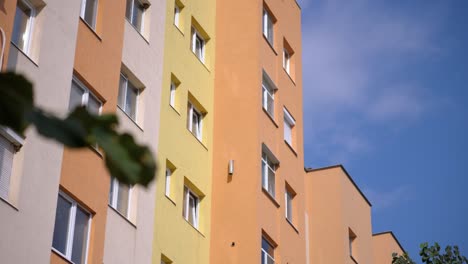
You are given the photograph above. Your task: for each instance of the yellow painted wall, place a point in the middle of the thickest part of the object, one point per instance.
(174, 236)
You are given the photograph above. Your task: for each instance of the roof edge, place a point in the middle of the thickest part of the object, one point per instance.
(394, 237)
(347, 174)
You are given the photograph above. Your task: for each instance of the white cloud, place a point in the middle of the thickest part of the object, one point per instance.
(385, 199)
(355, 62)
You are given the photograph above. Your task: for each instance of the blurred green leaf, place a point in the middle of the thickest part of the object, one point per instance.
(16, 101)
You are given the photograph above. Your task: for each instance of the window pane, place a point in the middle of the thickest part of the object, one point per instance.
(131, 101)
(76, 96)
(172, 94)
(271, 182)
(20, 27)
(270, 104)
(287, 132)
(137, 16)
(80, 237)
(128, 10)
(168, 181)
(199, 42)
(264, 172)
(176, 15)
(90, 12)
(62, 218)
(192, 208)
(267, 247)
(184, 212)
(7, 152)
(111, 193)
(122, 88)
(93, 105)
(270, 30)
(122, 199)
(288, 206)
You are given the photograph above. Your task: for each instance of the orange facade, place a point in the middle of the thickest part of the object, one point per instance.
(243, 211)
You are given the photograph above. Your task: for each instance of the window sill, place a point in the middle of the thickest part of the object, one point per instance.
(131, 119)
(196, 229)
(178, 29)
(58, 253)
(138, 31)
(269, 44)
(355, 261)
(170, 199)
(199, 141)
(173, 108)
(15, 139)
(8, 203)
(271, 198)
(289, 76)
(199, 60)
(24, 53)
(121, 215)
(291, 148)
(270, 117)
(292, 225)
(96, 150)
(91, 28)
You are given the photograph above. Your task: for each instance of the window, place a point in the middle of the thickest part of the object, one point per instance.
(7, 152)
(135, 13)
(71, 231)
(23, 25)
(89, 12)
(170, 168)
(165, 260)
(286, 60)
(82, 96)
(352, 242)
(194, 121)
(268, 95)
(128, 97)
(267, 252)
(269, 166)
(119, 197)
(198, 45)
(172, 96)
(177, 9)
(191, 204)
(289, 124)
(268, 26)
(289, 197)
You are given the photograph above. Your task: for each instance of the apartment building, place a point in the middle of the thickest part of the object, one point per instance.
(183, 197)
(258, 202)
(60, 205)
(215, 89)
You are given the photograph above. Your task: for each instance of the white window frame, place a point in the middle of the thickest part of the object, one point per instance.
(83, 10)
(86, 94)
(168, 181)
(268, 91)
(123, 107)
(198, 134)
(188, 193)
(29, 27)
(286, 61)
(142, 16)
(196, 34)
(71, 229)
(177, 15)
(288, 200)
(115, 197)
(266, 160)
(264, 253)
(16, 142)
(289, 123)
(268, 21)
(172, 95)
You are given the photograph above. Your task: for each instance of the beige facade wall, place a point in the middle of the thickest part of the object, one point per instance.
(130, 240)
(27, 225)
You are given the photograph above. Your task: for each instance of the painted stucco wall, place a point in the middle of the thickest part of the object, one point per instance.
(131, 240)
(37, 166)
(336, 205)
(242, 211)
(384, 245)
(174, 236)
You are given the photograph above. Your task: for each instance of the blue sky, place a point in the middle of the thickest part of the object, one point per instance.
(386, 95)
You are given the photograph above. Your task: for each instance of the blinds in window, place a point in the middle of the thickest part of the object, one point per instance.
(7, 152)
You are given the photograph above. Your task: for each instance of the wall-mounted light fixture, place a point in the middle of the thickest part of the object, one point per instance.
(231, 167)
